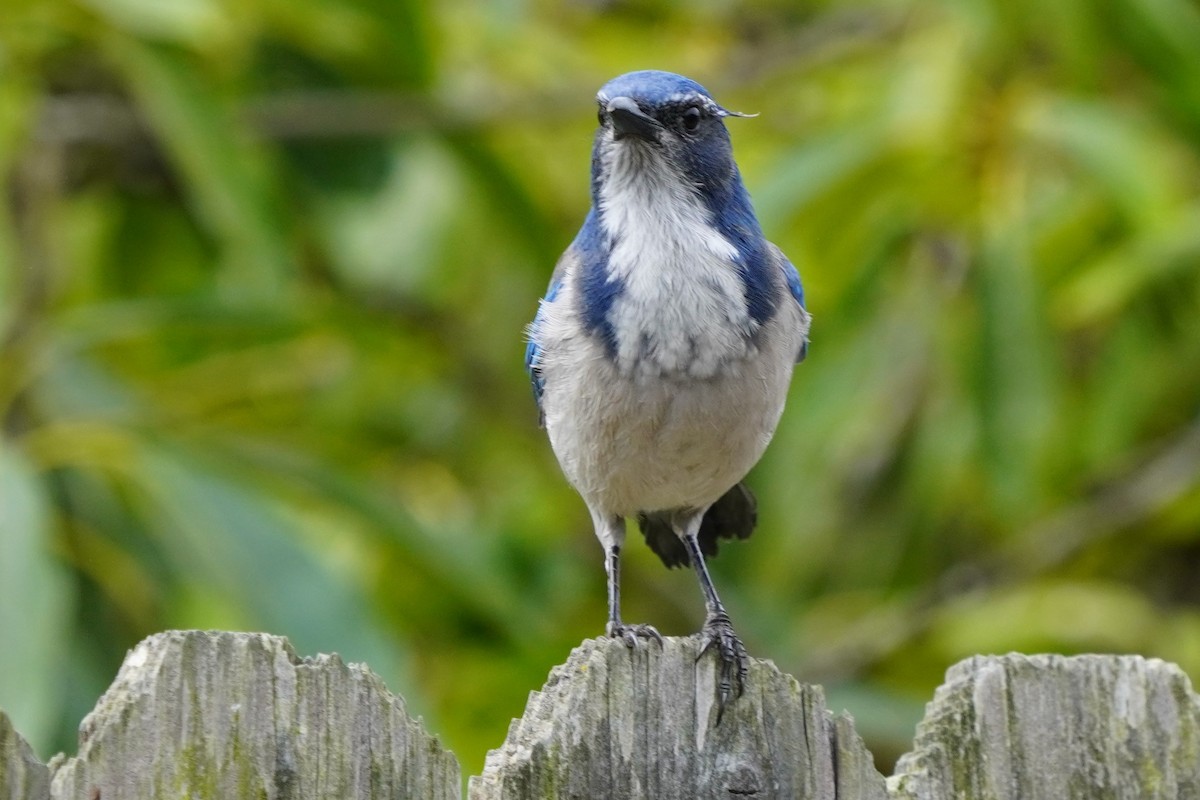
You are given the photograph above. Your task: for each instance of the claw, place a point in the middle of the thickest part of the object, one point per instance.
(631, 633)
(734, 666)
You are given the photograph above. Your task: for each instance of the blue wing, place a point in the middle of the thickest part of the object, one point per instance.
(533, 350)
(796, 288)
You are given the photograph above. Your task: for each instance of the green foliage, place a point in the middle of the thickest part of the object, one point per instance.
(264, 269)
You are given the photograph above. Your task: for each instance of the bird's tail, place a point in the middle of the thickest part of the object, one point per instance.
(733, 516)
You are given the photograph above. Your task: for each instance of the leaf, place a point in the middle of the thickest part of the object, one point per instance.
(393, 240)
(1075, 615)
(226, 176)
(193, 22)
(813, 168)
(1017, 387)
(1104, 287)
(36, 602)
(1126, 155)
(233, 544)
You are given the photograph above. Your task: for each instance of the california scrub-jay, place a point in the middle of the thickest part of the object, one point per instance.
(663, 349)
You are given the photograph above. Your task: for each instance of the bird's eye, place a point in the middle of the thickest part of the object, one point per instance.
(691, 119)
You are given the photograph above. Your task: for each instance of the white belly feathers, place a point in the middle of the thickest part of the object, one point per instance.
(691, 396)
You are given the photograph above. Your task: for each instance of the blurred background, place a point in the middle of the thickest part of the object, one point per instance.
(265, 265)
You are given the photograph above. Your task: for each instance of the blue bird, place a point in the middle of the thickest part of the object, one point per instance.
(662, 351)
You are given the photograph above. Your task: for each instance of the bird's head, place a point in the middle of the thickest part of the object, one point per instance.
(660, 121)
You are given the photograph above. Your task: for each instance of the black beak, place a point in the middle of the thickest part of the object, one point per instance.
(629, 120)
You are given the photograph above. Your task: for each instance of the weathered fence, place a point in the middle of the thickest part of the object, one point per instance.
(234, 715)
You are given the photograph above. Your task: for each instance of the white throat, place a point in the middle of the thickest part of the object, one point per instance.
(683, 310)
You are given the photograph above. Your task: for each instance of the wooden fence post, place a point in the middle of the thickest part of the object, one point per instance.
(196, 714)
(1053, 727)
(236, 715)
(619, 723)
(22, 776)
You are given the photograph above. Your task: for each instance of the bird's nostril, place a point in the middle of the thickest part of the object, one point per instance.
(626, 104)
(628, 119)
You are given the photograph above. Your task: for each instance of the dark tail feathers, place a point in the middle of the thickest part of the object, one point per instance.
(731, 517)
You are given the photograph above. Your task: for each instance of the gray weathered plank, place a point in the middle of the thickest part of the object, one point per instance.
(1031, 727)
(239, 715)
(22, 775)
(236, 715)
(615, 722)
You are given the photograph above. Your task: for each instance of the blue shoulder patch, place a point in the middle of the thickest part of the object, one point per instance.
(793, 281)
(597, 289)
(533, 352)
(753, 266)
(596, 294)
(797, 289)
(734, 218)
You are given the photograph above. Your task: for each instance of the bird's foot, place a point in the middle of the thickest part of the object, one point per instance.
(734, 661)
(630, 634)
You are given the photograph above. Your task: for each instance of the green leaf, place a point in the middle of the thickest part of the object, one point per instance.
(393, 240)
(812, 169)
(226, 175)
(233, 543)
(1104, 287)
(35, 602)
(1127, 156)
(1075, 615)
(193, 22)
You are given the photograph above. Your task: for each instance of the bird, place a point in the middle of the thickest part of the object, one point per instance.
(663, 349)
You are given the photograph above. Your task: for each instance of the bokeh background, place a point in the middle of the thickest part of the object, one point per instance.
(265, 264)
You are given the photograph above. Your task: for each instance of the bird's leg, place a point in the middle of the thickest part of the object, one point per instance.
(718, 630)
(615, 628)
(611, 533)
